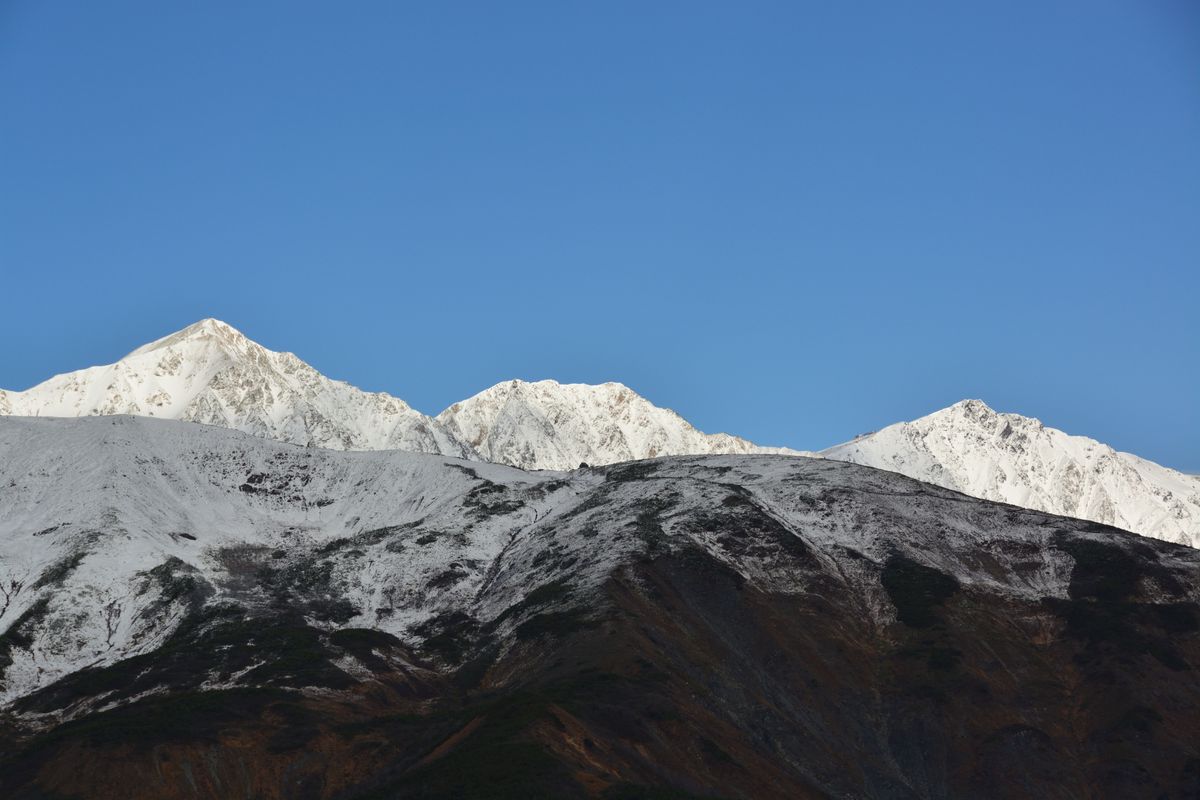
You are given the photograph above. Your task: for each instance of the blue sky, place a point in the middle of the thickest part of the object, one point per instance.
(792, 221)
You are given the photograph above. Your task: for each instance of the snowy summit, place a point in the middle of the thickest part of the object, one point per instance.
(1014, 459)
(551, 425)
(210, 373)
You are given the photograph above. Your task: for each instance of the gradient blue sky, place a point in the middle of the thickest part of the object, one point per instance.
(792, 221)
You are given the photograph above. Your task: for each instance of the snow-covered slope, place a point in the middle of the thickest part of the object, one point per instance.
(550, 425)
(185, 608)
(211, 373)
(1013, 459)
(91, 508)
(113, 529)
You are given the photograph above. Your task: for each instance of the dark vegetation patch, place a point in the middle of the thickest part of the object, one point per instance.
(377, 535)
(498, 757)
(487, 498)
(242, 562)
(745, 529)
(291, 737)
(490, 499)
(57, 572)
(337, 610)
(712, 753)
(630, 471)
(297, 727)
(218, 642)
(449, 577)
(1177, 618)
(306, 586)
(180, 717)
(333, 545)
(497, 760)
(631, 791)
(1104, 614)
(363, 640)
(448, 636)
(472, 671)
(647, 526)
(468, 471)
(20, 633)
(1018, 761)
(178, 580)
(1101, 572)
(177, 583)
(543, 595)
(549, 487)
(286, 484)
(554, 624)
(1120, 630)
(365, 643)
(937, 655)
(917, 591)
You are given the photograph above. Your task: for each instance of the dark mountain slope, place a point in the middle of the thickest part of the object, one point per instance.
(692, 627)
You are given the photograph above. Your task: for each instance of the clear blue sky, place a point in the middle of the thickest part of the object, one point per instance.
(792, 221)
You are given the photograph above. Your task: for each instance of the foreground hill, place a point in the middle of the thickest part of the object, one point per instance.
(192, 612)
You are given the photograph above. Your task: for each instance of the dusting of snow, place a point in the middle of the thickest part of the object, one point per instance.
(113, 530)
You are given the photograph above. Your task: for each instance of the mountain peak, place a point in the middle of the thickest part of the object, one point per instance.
(550, 425)
(972, 404)
(970, 408)
(1014, 459)
(210, 373)
(206, 329)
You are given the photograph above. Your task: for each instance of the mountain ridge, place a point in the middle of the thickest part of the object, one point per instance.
(550, 425)
(209, 372)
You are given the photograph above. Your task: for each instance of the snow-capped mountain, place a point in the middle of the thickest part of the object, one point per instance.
(210, 373)
(551, 425)
(1014, 459)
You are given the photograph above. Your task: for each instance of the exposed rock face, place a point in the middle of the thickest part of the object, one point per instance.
(1014, 459)
(550, 425)
(211, 373)
(192, 612)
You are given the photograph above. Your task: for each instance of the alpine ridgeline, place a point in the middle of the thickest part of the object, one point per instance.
(1013, 459)
(190, 612)
(213, 374)
(210, 373)
(551, 425)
